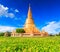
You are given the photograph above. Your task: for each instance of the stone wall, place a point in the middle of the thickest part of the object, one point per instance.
(27, 35)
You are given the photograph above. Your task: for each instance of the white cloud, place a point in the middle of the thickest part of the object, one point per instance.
(16, 10)
(52, 27)
(4, 12)
(20, 25)
(6, 28)
(10, 15)
(18, 19)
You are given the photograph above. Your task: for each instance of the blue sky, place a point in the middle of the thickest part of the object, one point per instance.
(46, 14)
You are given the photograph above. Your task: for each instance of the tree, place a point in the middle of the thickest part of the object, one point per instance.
(18, 30)
(59, 33)
(1, 34)
(51, 35)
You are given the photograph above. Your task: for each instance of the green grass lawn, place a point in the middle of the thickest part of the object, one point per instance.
(32, 44)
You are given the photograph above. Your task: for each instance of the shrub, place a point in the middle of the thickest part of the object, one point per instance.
(1, 34)
(59, 33)
(18, 30)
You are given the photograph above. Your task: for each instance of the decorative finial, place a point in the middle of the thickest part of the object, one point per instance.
(29, 6)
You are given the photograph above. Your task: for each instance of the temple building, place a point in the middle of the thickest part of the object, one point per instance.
(30, 28)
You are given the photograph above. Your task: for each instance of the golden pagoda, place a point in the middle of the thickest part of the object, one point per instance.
(29, 26)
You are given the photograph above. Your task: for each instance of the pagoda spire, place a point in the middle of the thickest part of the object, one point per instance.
(29, 26)
(29, 12)
(29, 7)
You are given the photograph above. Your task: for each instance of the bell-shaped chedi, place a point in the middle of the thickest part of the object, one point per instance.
(29, 26)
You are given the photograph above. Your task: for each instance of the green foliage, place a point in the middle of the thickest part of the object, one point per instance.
(1, 34)
(59, 33)
(33, 44)
(18, 30)
(55, 34)
(50, 34)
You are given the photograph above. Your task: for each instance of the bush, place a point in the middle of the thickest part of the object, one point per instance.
(59, 33)
(1, 34)
(18, 30)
